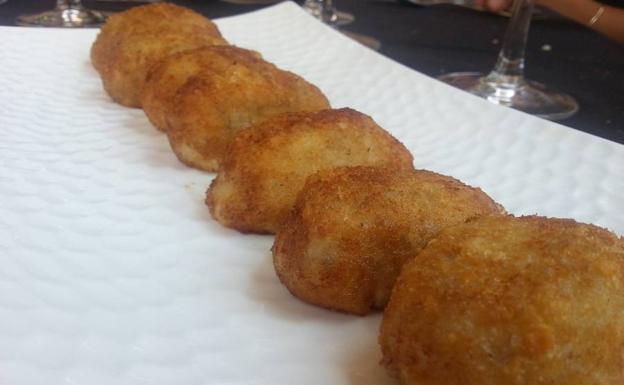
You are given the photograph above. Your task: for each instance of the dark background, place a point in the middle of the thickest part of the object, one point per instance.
(439, 39)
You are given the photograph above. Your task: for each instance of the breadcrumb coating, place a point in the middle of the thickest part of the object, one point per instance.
(235, 89)
(134, 40)
(166, 77)
(353, 228)
(510, 301)
(267, 165)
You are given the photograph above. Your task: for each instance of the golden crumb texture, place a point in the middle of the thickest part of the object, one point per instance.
(510, 301)
(131, 42)
(167, 76)
(353, 228)
(203, 97)
(267, 165)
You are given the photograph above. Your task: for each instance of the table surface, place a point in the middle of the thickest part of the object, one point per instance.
(440, 39)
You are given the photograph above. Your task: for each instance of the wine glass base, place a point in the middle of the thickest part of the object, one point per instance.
(69, 17)
(339, 18)
(329, 15)
(531, 97)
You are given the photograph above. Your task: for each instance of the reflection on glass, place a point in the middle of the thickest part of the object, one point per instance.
(67, 13)
(506, 85)
(325, 11)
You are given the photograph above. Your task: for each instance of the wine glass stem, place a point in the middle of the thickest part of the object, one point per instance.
(325, 8)
(68, 4)
(319, 3)
(510, 62)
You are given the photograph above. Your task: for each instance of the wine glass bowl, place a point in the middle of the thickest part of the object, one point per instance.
(67, 13)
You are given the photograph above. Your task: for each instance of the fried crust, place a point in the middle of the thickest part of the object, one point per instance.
(165, 78)
(506, 301)
(353, 228)
(149, 18)
(132, 41)
(235, 89)
(266, 165)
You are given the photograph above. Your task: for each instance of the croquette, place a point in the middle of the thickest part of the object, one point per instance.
(235, 89)
(132, 41)
(166, 77)
(267, 165)
(353, 228)
(506, 300)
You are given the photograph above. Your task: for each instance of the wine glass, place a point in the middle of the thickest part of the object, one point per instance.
(506, 85)
(325, 11)
(67, 13)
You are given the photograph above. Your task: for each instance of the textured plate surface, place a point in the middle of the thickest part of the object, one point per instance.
(112, 271)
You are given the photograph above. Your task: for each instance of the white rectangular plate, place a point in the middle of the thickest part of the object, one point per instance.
(111, 269)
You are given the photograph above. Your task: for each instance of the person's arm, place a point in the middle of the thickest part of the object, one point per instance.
(607, 20)
(603, 18)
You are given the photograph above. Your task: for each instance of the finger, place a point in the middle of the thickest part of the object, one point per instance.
(497, 5)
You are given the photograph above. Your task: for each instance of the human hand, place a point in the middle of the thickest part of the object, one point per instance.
(495, 5)
(605, 19)
(501, 5)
